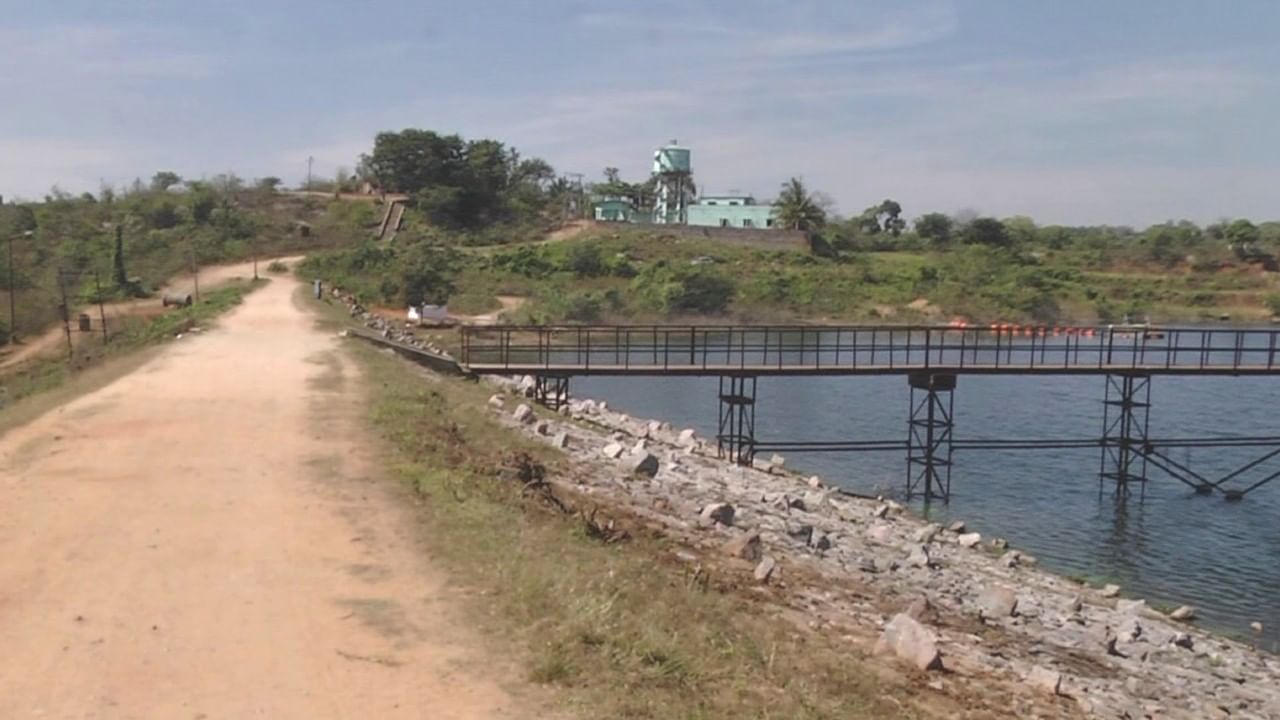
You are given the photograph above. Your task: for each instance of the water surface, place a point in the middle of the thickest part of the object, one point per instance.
(1171, 547)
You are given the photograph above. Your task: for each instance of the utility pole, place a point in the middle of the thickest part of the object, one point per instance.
(310, 160)
(102, 309)
(195, 269)
(66, 315)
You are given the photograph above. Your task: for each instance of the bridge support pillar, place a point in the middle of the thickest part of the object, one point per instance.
(736, 438)
(929, 435)
(1126, 411)
(551, 390)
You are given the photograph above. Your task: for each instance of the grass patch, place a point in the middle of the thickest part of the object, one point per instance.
(474, 303)
(617, 630)
(212, 304)
(277, 267)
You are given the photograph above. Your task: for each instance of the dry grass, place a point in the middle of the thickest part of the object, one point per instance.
(616, 628)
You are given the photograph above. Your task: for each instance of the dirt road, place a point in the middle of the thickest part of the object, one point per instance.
(52, 340)
(205, 538)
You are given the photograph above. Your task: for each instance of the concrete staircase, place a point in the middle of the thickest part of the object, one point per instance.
(392, 219)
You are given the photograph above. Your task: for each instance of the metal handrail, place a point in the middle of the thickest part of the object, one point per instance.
(809, 348)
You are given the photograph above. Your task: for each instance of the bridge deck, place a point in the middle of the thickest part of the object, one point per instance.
(867, 350)
(812, 371)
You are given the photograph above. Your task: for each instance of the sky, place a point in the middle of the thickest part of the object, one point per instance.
(1068, 111)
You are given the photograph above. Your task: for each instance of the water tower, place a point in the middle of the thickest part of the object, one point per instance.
(674, 174)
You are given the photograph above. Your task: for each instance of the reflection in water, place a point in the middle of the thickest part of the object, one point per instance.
(1171, 546)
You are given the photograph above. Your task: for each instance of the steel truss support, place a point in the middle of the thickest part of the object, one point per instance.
(551, 390)
(929, 435)
(1203, 485)
(1126, 411)
(736, 438)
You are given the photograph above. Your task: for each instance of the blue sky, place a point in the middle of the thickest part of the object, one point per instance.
(1071, 111)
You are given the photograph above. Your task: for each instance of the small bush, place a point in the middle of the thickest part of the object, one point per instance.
(277, 267)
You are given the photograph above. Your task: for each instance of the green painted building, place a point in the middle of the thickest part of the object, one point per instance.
(613, 209)
(737, 211)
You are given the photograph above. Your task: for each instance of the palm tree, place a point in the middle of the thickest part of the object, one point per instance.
(797, 208)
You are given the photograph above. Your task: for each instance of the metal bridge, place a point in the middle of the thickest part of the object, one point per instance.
(931, 357)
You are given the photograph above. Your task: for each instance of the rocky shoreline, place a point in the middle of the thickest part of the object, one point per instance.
(968, 613)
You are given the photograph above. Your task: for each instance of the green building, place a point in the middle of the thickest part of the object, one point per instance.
(738, 211)
(613, 209)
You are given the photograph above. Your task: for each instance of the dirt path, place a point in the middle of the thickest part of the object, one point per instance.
(52, 340)
(202, 539)
(509, 304)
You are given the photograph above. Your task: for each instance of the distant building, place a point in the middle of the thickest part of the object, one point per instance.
(738, 211)
(673, 200)
(613, 209)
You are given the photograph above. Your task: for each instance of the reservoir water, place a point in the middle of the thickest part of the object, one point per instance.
(1172, 547)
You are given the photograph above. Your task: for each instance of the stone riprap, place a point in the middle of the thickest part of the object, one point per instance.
(851, 565)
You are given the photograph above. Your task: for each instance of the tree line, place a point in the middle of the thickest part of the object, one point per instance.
(884, 227)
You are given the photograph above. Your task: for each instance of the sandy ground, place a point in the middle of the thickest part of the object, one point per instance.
(53, 340)
(203, 538)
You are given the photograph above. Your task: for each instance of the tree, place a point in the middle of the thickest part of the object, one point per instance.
(893, 222)
(534, 171)
(21, 218)
(612, 176)
(164, 180)
(885, 217)
(1242, 233)
(427, 275)
(986, 231)
(413, 160)
(117, 259)
(203, 201)
(460, 184)
(798, 209)
(1021, 229)
(935, 228)
(268, 184)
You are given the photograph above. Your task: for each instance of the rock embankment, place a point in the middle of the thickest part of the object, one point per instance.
(970, 613)
(400, 332)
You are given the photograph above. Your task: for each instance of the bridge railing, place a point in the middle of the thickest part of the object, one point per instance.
(711, 349)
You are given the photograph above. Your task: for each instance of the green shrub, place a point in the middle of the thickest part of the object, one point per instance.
(584, 260)
(684, 289)
(276, 266)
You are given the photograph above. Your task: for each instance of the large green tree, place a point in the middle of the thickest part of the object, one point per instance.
(459, 183)
(885, 217)
(935, 228)
(164, 180)
(986, 231)
(798, 209)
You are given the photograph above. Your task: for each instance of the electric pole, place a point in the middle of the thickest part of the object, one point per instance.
(310, 160)
(195, 269)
